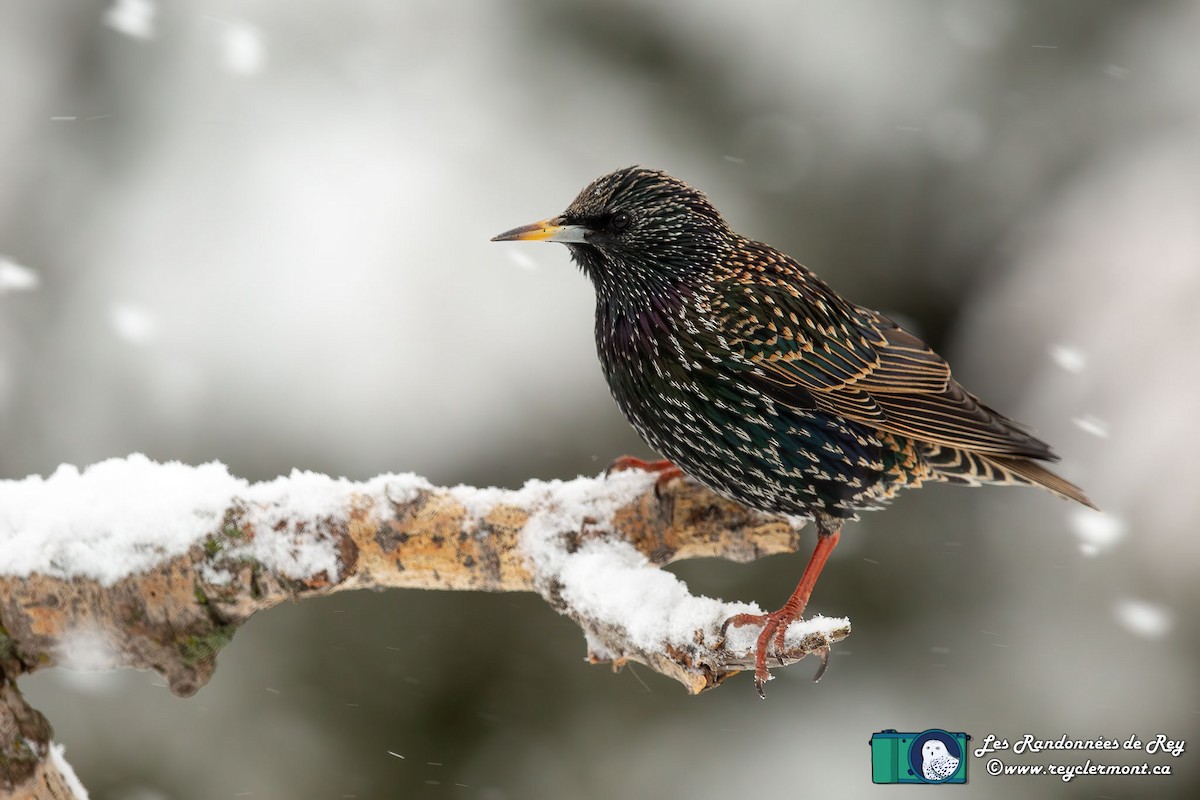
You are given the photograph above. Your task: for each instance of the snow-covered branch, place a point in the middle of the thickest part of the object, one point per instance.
(31, 766)
(154, 566)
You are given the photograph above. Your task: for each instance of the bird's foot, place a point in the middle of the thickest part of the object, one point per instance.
(666, 471)
(774, 628)
(776, 623)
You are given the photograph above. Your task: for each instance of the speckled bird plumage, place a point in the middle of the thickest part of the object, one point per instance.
(749, 373)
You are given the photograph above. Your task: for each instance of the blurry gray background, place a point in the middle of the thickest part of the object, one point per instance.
(259, 234)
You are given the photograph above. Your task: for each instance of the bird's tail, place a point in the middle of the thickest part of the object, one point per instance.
(1023, 471)
(965, 466)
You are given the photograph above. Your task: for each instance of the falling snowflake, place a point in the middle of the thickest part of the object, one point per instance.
(522, 260)
(1069, 358)
(15, 278)
(243, 51)
(132, 323)
(1097, 531)
(132, 17)
(1092, 424)
(1144, 618)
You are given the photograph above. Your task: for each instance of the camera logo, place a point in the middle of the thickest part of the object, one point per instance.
(932, 756)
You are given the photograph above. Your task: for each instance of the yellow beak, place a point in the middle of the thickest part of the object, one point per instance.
(548, 230)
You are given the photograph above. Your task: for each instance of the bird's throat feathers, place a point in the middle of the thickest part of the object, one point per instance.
(635, 315)
(633, 285)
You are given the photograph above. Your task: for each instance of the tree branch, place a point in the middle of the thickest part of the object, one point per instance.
(154, 566)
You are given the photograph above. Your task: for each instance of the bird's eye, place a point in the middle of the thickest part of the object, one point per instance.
(619, 221)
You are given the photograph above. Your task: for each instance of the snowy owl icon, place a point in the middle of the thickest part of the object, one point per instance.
(936, 756)
(931, 756)
(936, 762)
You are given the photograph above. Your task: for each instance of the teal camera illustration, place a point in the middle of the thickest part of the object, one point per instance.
(931, 756)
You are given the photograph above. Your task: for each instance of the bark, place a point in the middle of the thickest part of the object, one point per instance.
(175, 617)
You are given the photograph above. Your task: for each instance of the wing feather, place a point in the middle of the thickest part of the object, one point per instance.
(819, 349)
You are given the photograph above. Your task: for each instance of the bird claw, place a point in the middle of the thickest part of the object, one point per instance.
(666, 501)
(738, 620)
(622, 463)
(824, 655)
(774, 629)
(666, 471)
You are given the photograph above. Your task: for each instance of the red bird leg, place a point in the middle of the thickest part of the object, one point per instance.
(623, 463)
(667, 471)
(776, 623)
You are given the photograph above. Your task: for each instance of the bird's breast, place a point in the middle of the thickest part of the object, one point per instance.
(649, 363)
(684, 394)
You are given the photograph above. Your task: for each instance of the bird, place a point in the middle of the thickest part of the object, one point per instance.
(936, 762)
(752, 376)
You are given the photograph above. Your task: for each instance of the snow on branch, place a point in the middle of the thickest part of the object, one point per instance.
(154, 566)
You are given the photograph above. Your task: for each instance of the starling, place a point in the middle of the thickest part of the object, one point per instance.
(752, 376)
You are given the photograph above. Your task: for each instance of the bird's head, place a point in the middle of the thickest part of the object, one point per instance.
(933, 748)
(634, 230)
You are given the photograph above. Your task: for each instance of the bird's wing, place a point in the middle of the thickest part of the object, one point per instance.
(805, 346)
